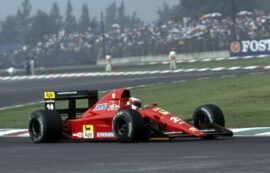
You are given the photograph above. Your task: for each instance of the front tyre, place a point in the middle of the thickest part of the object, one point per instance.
(45, 126)
(128, 126)
(206, 115)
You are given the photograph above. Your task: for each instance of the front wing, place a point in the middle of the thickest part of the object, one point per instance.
(211, 132)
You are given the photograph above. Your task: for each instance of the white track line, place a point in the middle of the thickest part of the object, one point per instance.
(24, 132)
(131, 73)
(234, 68)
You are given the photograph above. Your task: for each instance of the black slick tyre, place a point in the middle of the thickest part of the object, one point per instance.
(45, 126)
(128, 126)
(208, 114)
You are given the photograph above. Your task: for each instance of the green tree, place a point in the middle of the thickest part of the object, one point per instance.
(70, 20)
(165, 13)
(196, 8)
(24, 20)
(17, 28)
(115, 14)
(121, 15)
(110, 16)
(41, 26)
(132, 21)
(265, 5)
(85, 21)
(9, 30)
(25, 10)
(56, 20)
(94, 24)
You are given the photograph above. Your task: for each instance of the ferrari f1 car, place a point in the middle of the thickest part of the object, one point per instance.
(116, 116)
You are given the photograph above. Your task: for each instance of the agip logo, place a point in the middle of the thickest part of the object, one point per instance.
(88, 131)
(235, 47)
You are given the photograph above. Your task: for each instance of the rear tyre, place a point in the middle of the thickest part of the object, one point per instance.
(128, 126)
(206, 115)
(45, 126)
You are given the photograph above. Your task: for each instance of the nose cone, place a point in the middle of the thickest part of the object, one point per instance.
(196, 132)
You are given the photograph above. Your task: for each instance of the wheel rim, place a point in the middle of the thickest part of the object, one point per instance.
(122, 127)
(35, 128)
(203, 121)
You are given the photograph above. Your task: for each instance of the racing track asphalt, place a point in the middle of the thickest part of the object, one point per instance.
(20, 155)
(16, 92)
(239, 155)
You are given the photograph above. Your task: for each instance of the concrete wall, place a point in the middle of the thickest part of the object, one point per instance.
(188, 56)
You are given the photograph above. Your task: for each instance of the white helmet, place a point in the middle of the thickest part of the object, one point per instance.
(108, 57)
(135, 103)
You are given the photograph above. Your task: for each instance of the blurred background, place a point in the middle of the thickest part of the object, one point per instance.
(82, 32)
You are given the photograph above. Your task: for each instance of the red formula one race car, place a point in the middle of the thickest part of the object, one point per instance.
(120, 117)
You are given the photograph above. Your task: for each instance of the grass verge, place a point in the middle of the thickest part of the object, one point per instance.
(244, 100)
(131, 67)
(211, 64)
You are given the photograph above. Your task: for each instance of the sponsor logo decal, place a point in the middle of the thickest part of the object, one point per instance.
(119, 113)
(79, 134)
(162, 111)
(254, 45)
(176, 120)
(100, 107)
(88, 131)
(250, 47)
(156, 109)
(114, 105)
(67, 92)
(208, 130)
(105, 135)
(173, 132)
(49, 95)
(193, 129)
(130, 129)
(235, 46)
(50, 104)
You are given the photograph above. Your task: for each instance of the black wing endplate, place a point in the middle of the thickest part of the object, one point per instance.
(50, 98)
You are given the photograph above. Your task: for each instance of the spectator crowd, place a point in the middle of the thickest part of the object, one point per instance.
(210, 32)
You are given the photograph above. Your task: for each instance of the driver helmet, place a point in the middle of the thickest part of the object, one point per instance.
(108, 57)
(135, 103)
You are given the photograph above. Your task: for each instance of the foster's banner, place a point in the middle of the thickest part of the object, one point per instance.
(250, 47)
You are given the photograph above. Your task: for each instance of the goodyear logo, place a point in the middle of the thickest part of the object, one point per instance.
(49, 95)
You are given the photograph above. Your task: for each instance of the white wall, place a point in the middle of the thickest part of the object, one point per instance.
(188, 56)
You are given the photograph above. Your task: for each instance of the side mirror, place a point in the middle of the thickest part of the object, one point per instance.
(154, 104)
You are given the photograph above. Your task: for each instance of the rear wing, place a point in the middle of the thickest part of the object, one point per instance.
(50, 98)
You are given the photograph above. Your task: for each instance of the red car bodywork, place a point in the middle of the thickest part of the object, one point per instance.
(113, 117)
(96, 122)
